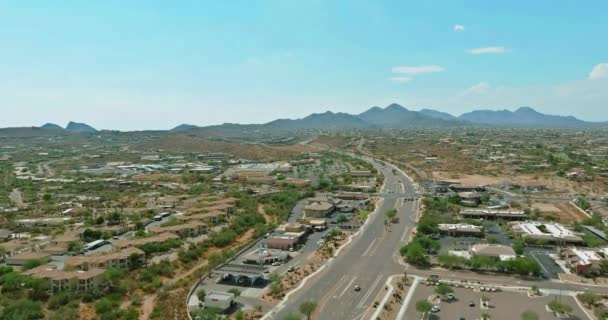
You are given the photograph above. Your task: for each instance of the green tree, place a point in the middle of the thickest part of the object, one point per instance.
(33, 263)
(588, 298)
(559, 307)
(292, 316)
(22, 310)
(341, 218)
(424, 307)
(307, 308)
(201, 294)
(443, 289)
(529, 315)
(518, 246)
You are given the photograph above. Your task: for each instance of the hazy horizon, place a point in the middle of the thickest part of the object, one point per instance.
(153, 65)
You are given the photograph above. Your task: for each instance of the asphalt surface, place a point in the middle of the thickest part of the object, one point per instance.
(372, 257)
(367, 262)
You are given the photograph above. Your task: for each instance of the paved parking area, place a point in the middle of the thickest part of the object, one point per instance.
(504, 305)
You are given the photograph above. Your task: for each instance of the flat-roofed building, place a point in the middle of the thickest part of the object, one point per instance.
(318, 209)
(498, 251)
(219, 300)
(545, 231)
(460, 229)
(491, 214)
(581, 261)
(283, 241)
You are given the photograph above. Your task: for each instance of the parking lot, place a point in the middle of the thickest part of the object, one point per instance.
(503, 305)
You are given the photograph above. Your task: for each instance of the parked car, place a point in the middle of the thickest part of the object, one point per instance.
(435, 309)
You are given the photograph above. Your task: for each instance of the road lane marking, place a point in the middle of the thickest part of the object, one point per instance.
(366, 252)
(347, 286)
(370, 291)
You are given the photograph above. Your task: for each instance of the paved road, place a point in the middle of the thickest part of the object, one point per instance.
(366, 262)
(372, 257)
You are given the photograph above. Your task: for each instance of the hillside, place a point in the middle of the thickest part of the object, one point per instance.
(523, 117)
(79, 127)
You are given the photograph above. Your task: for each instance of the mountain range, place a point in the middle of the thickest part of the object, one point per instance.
(395, 116)
(71, 127)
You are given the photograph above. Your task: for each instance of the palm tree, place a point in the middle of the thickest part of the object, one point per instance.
(307, 308)
(423, 306)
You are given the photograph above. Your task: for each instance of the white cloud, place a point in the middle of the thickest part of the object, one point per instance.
(458, 28)
(415, 70)
(477, 89)
(485, 50)
(401, 79)
(599, 71)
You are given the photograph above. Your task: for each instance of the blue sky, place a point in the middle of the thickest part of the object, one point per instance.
(156, 64)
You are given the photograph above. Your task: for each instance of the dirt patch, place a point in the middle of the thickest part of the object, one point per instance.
(569, 214)
(390, 310)
(87, 312)
(289, 282)
(147, 306)
(545, 207)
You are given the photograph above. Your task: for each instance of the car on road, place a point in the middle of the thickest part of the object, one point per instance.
(291, 269)
(276, 264)
(435, 309)
(357, 288)
(471, 303)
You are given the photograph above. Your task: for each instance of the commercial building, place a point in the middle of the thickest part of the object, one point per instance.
(460, 229)
(581, 261)
(491, 214)
(219, 300)
(318, 209)
(545, 231)
(498, 251)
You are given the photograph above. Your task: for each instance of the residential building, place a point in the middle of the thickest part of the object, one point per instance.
(186, 230)
(123, 244)
(59, 280)
(122, 259)
(21, 258)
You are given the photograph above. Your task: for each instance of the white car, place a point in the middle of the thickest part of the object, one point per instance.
(435, 309)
